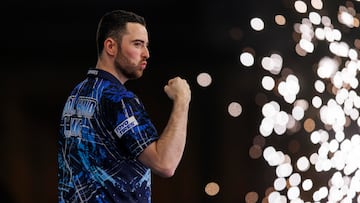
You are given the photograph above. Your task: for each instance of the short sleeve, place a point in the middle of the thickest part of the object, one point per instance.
(130, 123)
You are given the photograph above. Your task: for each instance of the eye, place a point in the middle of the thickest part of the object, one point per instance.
(138, 44)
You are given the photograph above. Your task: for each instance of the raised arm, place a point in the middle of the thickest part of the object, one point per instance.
(164, 155)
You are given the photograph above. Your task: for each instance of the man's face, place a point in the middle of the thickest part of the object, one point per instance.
(133, 51)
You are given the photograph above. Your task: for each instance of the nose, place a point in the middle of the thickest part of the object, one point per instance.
(146, 53)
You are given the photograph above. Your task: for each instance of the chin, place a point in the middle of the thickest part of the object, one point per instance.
(135, 76)
(139, 74)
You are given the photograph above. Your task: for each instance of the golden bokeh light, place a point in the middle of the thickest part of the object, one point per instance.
(251, 197)
(212, 189)
(309, 125)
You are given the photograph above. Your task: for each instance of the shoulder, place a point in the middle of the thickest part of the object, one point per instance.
(117, 93)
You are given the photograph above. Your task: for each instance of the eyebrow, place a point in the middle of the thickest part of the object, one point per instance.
(142, 41)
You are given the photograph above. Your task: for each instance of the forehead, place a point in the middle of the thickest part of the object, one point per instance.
(136, 31)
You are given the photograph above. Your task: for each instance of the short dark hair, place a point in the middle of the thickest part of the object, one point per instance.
(113, 24)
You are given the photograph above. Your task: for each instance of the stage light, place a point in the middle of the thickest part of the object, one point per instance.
(204, 79)
(257, 24)
(212, 188)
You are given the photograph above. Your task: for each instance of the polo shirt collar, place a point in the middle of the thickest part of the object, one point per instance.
(103, 74)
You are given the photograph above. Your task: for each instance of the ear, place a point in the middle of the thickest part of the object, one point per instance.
(110, 46)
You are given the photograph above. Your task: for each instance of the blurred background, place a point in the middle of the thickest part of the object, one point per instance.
(236, 56)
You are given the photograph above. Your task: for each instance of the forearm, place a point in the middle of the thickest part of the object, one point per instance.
(164, 155)
(170, 146)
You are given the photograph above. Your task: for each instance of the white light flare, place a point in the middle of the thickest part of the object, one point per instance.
(317, 4)
(289, 88)
(204, 79)
(345, 17)
(319, 86)
(307, 184)
(300, 6)
(268, 83)
(303, 164)
(316, 102)
(257, 24)
(274, 120)
(332, 114)
(247, 59)
(234, 109)
(273, 64)
(327, 67)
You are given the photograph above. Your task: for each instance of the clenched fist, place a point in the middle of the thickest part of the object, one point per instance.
(178, 90)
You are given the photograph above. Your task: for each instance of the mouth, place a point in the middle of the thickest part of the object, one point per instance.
(143, 65)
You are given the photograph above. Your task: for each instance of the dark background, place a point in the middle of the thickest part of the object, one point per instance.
(47, 47)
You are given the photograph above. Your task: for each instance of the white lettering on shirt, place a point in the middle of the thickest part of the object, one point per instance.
(125, 126)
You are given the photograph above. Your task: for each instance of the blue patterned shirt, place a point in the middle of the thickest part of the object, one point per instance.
(104, 128)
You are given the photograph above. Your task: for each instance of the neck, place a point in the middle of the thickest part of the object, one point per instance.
(111, 69)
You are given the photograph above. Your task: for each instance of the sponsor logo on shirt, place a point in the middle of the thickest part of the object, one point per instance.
(125, 126)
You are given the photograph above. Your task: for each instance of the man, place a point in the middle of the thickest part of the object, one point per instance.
(108, 145)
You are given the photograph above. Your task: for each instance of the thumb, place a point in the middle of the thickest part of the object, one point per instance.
(167, 90)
